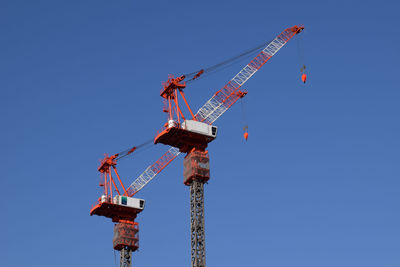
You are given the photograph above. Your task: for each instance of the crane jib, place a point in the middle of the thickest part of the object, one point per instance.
(220, 102)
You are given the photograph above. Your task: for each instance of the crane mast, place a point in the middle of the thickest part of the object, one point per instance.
(197, 172)
(197, 232)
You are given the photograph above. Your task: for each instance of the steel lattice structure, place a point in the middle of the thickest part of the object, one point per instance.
(125, 257)
(152, 171)
(227, 96)
(197, 233)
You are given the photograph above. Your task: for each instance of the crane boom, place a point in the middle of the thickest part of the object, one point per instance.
(218, 103)
(152, 171)
(229, 94)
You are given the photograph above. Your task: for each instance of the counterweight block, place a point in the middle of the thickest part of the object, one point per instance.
(126, 234)
(196, 166)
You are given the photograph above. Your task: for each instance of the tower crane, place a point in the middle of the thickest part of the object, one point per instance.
(189, 135)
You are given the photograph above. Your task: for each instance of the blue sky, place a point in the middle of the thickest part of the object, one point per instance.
(317, 183)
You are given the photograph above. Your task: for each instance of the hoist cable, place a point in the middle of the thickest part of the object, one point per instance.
(132, 149)
(191, 76)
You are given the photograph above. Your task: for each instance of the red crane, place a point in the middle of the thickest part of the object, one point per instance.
(190, 136)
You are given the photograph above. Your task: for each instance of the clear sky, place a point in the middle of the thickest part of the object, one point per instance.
(317, 183)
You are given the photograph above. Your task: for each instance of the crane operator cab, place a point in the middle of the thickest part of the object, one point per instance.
(131, 202)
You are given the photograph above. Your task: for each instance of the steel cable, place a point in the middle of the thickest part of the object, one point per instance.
(191, 76)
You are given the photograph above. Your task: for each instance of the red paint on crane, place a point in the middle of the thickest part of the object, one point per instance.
(183, 139)
(198, 74)
(126, 234)
(113, 211)
(304, 77)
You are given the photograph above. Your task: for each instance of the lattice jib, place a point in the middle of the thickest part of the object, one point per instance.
(228, 95)
(152, 171)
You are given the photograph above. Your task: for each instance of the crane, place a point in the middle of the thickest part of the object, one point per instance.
(121, 208)
(183, 135)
